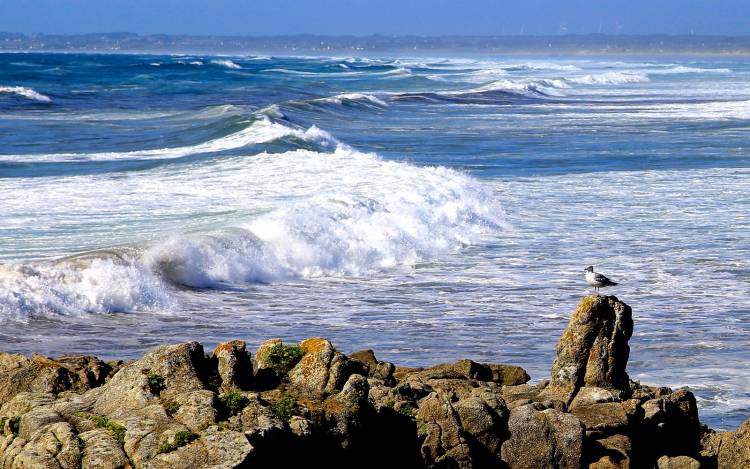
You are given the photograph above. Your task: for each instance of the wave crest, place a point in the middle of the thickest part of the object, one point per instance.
(345, 98)
(97, 285)
(610, 78)
(262, 130)
(226, 63)
(429, 212)
(26, 93)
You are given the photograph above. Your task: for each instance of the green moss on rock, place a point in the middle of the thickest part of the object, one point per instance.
(171, 407)
(181, 438)
(233, 402)
(117, 430)
(155, 382)
(282, 358)
(283, 409)
(406, 409)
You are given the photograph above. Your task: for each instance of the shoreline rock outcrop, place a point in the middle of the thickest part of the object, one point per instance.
(308, 403)
(593, 352)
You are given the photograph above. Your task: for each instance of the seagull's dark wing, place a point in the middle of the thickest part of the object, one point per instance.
(603, 280)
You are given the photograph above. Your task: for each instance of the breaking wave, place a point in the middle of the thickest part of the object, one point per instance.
(345, 98)
(610, 78)
(26, 93)
(262, 130)
(496, 92)
(353, 214)
(226, 63)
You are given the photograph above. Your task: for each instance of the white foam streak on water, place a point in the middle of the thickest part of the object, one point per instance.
(313, 74)
(610, 78)
(541, 65)
(481, 76)
(677, 69)
(623, 112)
(354, 97)
(226, 63)
(26, 93)
(539, 85)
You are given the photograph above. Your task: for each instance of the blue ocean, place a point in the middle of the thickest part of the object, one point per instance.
(428, 208)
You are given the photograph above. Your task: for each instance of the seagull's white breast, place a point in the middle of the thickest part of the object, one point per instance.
(591, 279)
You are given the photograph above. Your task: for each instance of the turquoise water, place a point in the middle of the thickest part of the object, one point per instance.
(429, 208)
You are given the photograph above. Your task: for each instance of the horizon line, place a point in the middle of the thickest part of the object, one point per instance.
(393, 36)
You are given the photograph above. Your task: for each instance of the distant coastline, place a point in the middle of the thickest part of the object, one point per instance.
(592, 44)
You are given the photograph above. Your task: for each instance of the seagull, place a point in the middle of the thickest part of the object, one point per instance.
(597, 280)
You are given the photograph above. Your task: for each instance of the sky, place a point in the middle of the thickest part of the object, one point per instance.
(388, 17)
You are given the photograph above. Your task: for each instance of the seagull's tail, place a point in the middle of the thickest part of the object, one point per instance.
(611, 283)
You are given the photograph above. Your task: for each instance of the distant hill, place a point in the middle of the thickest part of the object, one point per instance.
(353, 45)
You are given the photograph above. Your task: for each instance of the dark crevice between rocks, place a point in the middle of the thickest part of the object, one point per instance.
(381, 440)
(205, 367)
(210, 374)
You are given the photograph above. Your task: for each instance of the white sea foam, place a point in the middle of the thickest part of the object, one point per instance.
(676, 69)
(542, 66)
(226, 63)
(102, 285)
(273, 111)
(692, 111)
(396, 72)
(533, 86)
(415, 216)
(485, 75)
(353, 97)
(716, 110)
(505, 85)
(190, 62)
(287, 71)
(26, 93)
(363, 60)
(344, 213)
(402, 63)
(610, 78)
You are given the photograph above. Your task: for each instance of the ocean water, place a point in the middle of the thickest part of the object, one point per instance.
(428, 208)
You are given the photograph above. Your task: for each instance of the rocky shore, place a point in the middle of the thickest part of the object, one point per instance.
(309, 404)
